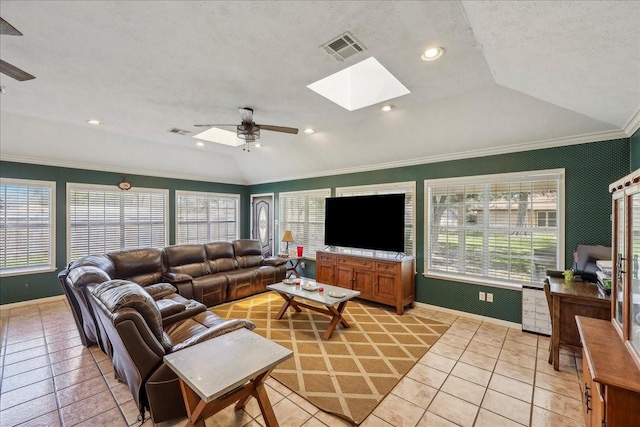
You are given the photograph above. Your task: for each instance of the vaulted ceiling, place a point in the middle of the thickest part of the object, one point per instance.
(515, 75)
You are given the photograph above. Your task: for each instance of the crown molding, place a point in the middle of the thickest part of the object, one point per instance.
(101, 168)
(505, 149)
(633, 125)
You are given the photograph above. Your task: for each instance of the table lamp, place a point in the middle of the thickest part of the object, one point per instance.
(288, 237)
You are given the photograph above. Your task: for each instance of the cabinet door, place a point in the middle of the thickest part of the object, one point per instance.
(363, 281)
(633, 279)
(344, 276)
(325, 273)
(619, 261)
(385, 287)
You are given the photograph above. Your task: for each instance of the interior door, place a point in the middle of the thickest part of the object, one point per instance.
(262, 226)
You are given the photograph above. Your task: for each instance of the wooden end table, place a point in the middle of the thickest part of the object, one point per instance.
(290, 291)
(226, 369)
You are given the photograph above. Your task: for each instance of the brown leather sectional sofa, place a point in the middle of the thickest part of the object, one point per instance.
(207, 274)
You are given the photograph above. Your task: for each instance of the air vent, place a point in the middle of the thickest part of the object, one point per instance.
(179, 131)
(343, 46)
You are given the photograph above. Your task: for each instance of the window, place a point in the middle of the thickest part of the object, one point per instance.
(407, 188)
(496, 229)
(27, 233)
(302, 212)
(207, 217)
(104, 218)
(546, 219)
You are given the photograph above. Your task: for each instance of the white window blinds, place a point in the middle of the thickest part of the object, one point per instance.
(406, 188)
(207, 217)
(302, 212)
(103, 219)
(505, 228)
(26, 226)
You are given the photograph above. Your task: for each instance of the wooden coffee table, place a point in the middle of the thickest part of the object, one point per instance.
(289, 292)
(230, 368)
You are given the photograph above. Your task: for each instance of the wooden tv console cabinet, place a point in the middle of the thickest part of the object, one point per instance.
(384, 280)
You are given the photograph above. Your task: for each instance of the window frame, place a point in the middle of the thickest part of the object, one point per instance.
(309, 252)
(109, 188)
(51, 266)
(525, 176)
(209, 196)
(385, 188)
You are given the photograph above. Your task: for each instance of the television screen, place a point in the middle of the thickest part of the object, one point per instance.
(365, 222)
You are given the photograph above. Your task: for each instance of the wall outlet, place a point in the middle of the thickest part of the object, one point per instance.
(489, 297)
(303, 264)
(481, 296)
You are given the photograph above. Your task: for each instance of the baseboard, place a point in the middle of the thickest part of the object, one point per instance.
(471, 315)
(32, 301)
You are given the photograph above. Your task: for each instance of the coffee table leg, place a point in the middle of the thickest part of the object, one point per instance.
(288, 301)
(336, 317)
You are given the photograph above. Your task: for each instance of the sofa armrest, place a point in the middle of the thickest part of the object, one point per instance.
(190, 309)
(183, 282)
(160, 290)
(216, 331)
(274, 261)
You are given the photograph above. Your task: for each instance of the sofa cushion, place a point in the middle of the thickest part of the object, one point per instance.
(142, 266)
(220, 256)
(85, 275)
(248, 253)
(102, 262)
(242, 283)
(169, 307)
(211, 289)
(117, 295)
(187, 259)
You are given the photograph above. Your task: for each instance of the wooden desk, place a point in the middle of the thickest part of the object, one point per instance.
(571, 299)
(230, 368)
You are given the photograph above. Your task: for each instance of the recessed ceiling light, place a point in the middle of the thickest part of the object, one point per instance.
(94, 122)
(432, 53)
(258, 145)
(200, 144)
(387, 108)
(309, 130)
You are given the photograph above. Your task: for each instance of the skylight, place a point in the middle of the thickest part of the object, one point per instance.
(363, 84)
(220, 136)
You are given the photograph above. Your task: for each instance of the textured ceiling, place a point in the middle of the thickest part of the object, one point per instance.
(515, 76)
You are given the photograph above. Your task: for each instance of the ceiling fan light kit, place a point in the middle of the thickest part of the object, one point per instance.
(249, 131)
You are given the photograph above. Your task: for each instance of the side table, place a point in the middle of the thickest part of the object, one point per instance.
(292, 266)
(226, 369)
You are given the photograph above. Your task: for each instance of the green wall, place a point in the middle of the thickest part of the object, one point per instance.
(634, 142)
(589, 169)
(32, 286)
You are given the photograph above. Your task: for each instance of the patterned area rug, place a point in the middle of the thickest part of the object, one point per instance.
(349, 374)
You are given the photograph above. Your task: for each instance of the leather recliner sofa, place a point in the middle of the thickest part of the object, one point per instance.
(209, 273)
(140, 338)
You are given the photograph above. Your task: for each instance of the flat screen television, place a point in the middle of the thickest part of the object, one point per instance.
(365, 222)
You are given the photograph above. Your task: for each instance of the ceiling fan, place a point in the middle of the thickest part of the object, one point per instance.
(12, 71)
(249, 131)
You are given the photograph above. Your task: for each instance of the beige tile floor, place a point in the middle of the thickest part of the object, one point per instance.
(477, 374)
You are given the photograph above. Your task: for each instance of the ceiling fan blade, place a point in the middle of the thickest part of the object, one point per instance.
(7, 29)
(279, 129)
(210, 126)
(14, 72)
(246, 114)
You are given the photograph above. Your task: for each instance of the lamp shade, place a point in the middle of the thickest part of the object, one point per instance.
(288, 237)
